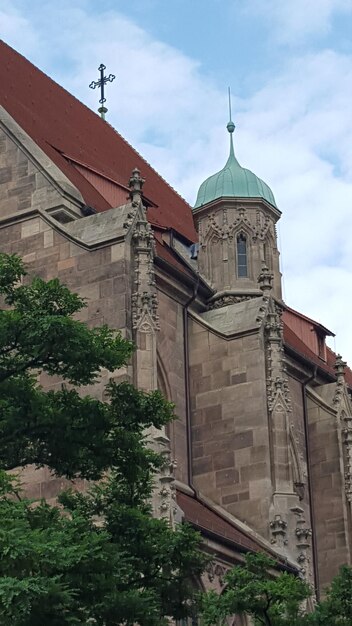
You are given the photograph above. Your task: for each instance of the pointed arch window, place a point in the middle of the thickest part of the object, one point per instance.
(241, 253)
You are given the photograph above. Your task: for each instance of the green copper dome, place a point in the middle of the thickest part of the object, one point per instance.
(233, 181)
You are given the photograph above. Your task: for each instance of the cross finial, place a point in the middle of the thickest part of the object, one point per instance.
(101, 83)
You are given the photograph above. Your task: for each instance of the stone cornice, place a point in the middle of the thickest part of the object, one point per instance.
(236, 203)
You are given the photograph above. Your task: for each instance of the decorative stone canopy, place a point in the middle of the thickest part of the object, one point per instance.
(233, 181)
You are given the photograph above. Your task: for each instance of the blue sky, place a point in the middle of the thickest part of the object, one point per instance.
(289, 64)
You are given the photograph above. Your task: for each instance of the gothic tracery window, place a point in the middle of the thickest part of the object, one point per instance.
(241, 254)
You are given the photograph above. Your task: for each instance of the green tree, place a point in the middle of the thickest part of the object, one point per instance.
(98, 557)
(336, 608)
(270, 600)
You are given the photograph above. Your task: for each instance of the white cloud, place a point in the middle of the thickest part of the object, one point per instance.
(323, 293)
(294, 21)
(295, 133)
(16, 28)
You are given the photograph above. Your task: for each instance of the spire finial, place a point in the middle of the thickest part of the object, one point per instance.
(340, 366)
(135, 184)
(230, 126)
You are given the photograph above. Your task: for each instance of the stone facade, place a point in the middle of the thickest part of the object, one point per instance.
(229, 426)
(171, 376)
(263, 439)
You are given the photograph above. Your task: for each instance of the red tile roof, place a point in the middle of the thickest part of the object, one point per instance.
(69, 132)
(317, 325)
(293, 341)
(207, 520)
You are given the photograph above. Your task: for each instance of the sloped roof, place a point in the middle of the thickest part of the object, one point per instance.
(293, 341)
(233, 181)
(210, 521)
(71, 134)
(317, 325)
(203, 518)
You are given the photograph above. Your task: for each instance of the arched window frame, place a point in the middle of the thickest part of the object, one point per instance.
(242, 255)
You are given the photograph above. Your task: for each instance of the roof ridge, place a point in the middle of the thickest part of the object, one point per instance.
(13, 50)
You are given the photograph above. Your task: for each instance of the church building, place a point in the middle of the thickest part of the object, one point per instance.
(261, 452)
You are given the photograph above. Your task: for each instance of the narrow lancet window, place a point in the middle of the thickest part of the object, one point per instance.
(242, 268)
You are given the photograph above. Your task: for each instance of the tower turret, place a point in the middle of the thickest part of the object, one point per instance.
(235, 214)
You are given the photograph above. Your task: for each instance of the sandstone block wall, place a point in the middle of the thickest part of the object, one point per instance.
(99, 276)
(230, 442)
(19, 179)
(171, 377)
(328, 490)
(24, 184)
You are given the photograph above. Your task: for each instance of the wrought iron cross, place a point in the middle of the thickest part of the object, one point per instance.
(101, 83)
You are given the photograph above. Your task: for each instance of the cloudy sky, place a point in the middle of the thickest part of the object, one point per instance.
(289, 65)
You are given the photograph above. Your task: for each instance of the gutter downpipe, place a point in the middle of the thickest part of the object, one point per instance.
(187, 386)
(310, 490)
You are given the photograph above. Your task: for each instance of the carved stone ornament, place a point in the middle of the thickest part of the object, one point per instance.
(299, 488)
(129, 219)
(167, 493)
(217, 571)
(263, 309)
(347, 440)
(136, 183)
(164, 493)
(144, 302)
(265, 280)
(228, 230)
(278, 394)
(145, 312)
(278, 529)
(143, 235)
(227, 299)
(340, 382)
(303, 534)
